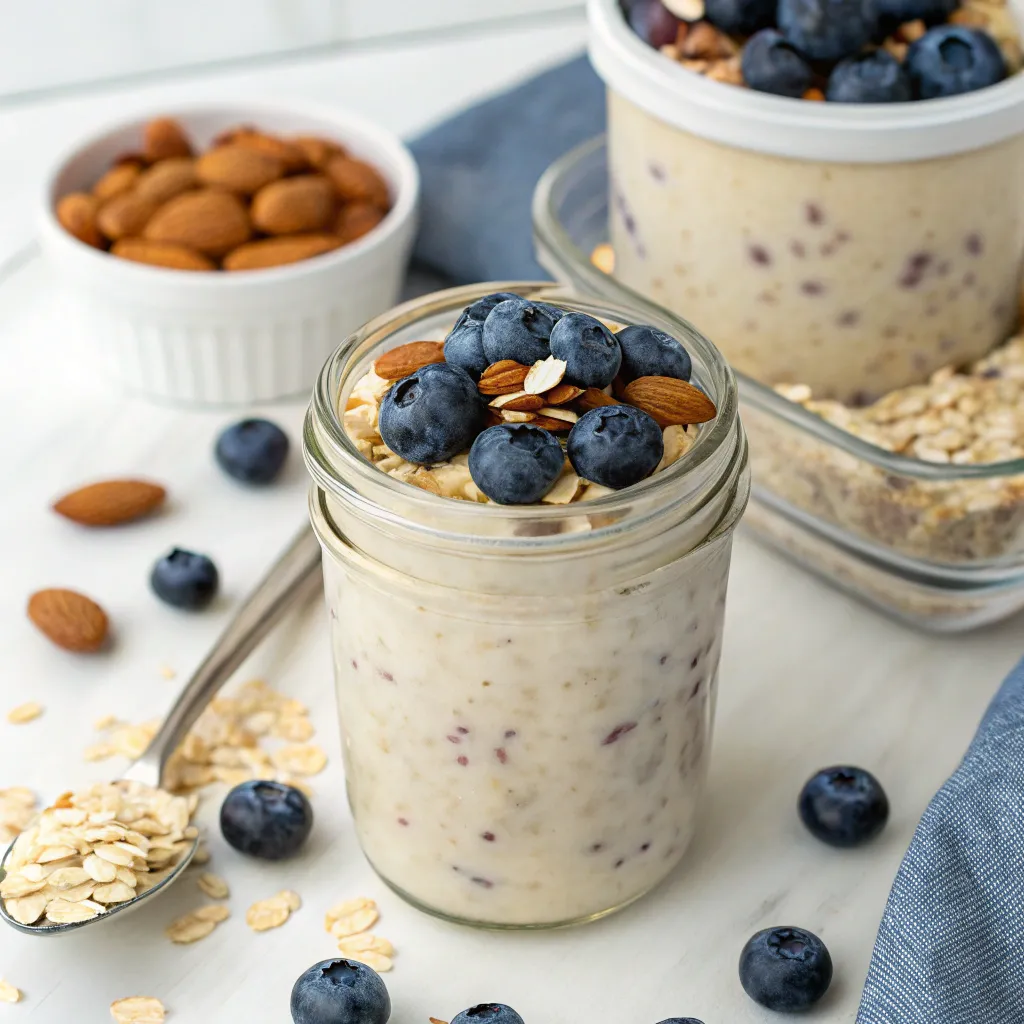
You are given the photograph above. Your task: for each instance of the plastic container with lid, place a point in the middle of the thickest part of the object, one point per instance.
(854, 248)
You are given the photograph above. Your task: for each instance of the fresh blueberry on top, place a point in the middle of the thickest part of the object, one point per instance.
(185, 580)
(771, 64)
(652, 21)
(478, 310)
(876, 77)
(432, 414)
(518, 329)
(953, 59)
(843, 806)
(591, 352)
(493, 1013)
(464, 346)
(828, 29)
(785, 969)
(932, 12)
(648, 352)
(515, 464)
(266, 819)
(252, 451)
(340, 992)
(615, 445)
(740, 17)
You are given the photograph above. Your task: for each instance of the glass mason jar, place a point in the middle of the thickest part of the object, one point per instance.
(526, 692)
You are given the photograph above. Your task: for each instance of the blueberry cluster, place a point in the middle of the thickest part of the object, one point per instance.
(792, 46)
(438, 411)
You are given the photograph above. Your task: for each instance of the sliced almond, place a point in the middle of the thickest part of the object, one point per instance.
(550, 423)
(518, 401)
(564, 490)
(593, 398)
(670, 401)
(544, 375)
(561, 394)
(559, 414)
(406, 359)
(503, 377)
(687, 10)
(517, 417)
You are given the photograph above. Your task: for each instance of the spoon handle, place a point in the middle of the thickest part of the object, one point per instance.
(291, 579)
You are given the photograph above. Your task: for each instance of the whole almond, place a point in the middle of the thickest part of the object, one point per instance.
(162, 254)
(238, 168)
(356, 180)
(406, 359)
(166, 179)
(292, 156)
(292, 205)
(163, 138)
(561, 394)
(71, 620)
(76, 213)
(503, 377)
(670, 401)
(275, 252)
(110, 502)
(316, 150)
(125, 214)
(550, 423)
(357, 219)
(593, 398)
(117, 179)
(209, 220)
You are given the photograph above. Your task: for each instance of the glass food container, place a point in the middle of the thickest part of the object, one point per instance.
(526, 693)
(938, 546)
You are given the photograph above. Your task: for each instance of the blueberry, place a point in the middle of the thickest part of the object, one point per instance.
(184, 579)
(464, 346)
(876, 77)
(682, 1020)
(898, 12)
(252, 451)
(785, 969)
(843, 806)
(478, 310)
(515, 464)
(264, 819)
(648, 352)
(432, 414)
(828, 29)
(952, 59)
(615, 445)
(518, 329)
(591, 352)
(496, 1013)
(740, 17)
(652, 21)
(340, 992)
(771, 64)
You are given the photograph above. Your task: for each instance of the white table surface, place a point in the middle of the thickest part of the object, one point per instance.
(808, 678)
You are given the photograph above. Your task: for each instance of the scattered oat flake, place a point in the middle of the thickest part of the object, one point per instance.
(380, 963)
(300, 759)
(189, 928)
(138, 1010)
(436, 1020)
(8, 993)
(215, 912)
(213, 885)
(345, 908)
(352, 924)
(24, 713)
(366, 942)
(266, 914)
(167, 672)
(201, 856)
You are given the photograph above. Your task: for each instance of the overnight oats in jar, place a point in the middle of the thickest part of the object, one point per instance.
(527, 533)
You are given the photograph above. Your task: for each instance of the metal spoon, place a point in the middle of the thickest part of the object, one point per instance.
(292, 578)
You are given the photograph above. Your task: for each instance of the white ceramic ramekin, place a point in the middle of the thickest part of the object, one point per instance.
(229, 338)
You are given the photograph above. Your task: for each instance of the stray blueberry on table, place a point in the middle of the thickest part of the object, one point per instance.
(252, 451)
(843, 806)
(740, 17)
(478, 310)
(515, 463)
(828, 29)
(876, 77)
(682, 1020)
(185, 580)
(590, 351)
(266, 819)
(464, 346)
(340, 992)
(770, 63)
(648, 352)
(518, 329)
(953, 59)
(432, 414)
(493, 1013)
(785, 969)
(615, 446)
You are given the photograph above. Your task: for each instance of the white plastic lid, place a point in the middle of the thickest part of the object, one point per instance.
(831, 132)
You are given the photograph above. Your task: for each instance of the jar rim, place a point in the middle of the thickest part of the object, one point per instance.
(338, 467)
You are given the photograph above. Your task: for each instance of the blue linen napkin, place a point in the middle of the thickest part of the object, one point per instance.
(950, 949)
(479, 170)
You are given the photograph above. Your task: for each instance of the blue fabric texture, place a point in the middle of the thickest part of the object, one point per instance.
(950, 949)
(479, 170)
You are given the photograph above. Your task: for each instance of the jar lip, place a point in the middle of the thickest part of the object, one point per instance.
(324, 422)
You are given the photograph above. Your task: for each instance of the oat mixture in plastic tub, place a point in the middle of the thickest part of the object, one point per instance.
(854, 247)
(526, 692)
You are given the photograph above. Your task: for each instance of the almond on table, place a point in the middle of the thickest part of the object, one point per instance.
(71, 620)
(111, 502)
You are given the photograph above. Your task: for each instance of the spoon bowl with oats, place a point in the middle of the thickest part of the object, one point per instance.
(102, 850)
